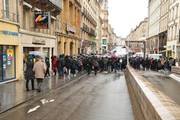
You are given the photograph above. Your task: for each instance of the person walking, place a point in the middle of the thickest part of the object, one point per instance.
(54, 65)
(29, 74)
(95, 66)
(39, 70)
(47, 74)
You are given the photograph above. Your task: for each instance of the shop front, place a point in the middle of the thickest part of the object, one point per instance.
(171, 49)
(9, 46)
(36, 44)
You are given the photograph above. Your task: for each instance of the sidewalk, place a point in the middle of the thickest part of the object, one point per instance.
(14, 93)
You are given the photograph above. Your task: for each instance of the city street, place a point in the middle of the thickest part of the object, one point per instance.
(101, 97)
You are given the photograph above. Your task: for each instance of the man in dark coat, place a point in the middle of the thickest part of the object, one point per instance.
(29, 74)
(47, 74)
(95, 66)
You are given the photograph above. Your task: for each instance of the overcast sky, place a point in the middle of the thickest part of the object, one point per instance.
(126, 14)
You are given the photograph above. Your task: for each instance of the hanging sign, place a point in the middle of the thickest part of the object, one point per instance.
(42, 19)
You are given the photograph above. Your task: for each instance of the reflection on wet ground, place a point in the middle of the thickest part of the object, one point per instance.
(165, 84)
(14, 93)
(101, 97)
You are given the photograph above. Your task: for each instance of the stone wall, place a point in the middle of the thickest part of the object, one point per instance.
(146, 105)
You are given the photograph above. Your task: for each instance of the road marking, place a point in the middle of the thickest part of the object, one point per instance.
(175, 77)
(33, 109)
(51, 100)
(44, 101)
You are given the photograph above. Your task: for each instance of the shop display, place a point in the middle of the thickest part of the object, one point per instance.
(7, 64)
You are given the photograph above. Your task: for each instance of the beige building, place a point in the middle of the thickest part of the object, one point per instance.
(105, 23)
(38, 28)
(69, 37)
(153, 26)
(173, 41)
(88, 26)
(98, 28)
(138, 34)
(163, 29)
(9, 41)
(111, 37)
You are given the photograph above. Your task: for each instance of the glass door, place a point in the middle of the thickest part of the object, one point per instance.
(8, 62)
(1, 63)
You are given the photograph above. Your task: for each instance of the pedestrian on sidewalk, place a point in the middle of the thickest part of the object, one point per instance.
(47, 74)
(95, 66)
(39, 69)
(29, 74)
(54, 64)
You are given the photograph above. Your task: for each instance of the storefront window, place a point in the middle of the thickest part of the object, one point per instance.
(7, 63)
(46, 52)
(1, 63)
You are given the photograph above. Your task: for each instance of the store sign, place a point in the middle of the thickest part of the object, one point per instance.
(38, 41)
(6, 32)
(42, 19)
(56, 3)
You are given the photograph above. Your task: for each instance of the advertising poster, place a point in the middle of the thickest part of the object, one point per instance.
(10, 54)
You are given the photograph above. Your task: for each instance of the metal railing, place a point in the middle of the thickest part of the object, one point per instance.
(9, 16)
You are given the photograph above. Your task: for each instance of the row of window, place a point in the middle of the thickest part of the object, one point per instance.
(173, 32)
(173, 12)
(172, 1)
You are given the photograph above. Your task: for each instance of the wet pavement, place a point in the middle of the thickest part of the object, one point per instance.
(164, 83)
(101, 97)
(14, 93)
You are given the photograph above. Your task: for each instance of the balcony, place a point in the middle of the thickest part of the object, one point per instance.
(9, 16)
(89, 17)
(92, 32)
(54, 6)
(85, 28)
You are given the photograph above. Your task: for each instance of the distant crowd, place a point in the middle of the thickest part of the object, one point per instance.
(69, 66)
(152, 64)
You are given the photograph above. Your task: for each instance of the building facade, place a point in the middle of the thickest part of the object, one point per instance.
(69, 37)
(110, 34)
(163, 26)
(9, 40)
(172, 46)
(120, 41)
(98, 28)
(105, 25)
(153, 26)
(138, 34)
(38, 38)
(89, 26)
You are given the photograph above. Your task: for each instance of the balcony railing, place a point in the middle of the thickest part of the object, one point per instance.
(53, 6)
(9, 16)
(89, 17)
(92, 32)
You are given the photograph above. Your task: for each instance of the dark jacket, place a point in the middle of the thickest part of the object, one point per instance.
(29, 74)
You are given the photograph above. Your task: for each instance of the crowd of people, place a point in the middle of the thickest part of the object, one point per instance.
(69, 66)
(147, 63)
